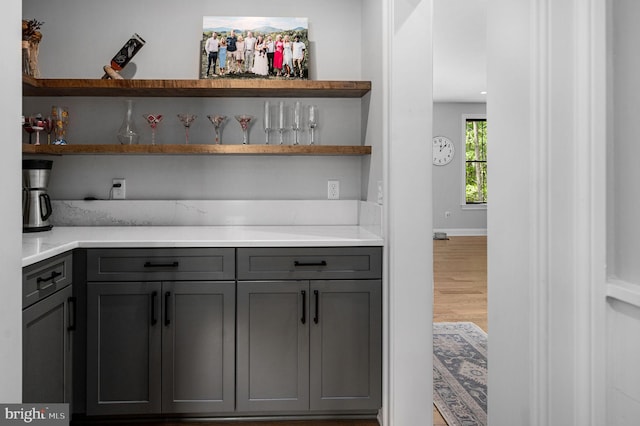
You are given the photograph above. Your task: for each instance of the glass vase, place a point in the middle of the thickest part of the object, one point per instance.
(128, 134)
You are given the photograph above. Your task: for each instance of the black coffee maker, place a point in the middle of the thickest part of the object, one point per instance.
(36, 204)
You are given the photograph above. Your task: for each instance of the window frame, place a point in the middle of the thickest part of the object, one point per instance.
(463, 163)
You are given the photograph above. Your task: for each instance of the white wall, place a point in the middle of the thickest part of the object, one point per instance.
(10, 214)
(173, 32)
(448, 180)
(509, 215)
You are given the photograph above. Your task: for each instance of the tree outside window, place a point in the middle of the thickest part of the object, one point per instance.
(476, 161)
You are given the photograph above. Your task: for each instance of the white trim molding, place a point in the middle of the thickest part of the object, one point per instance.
(463, 232)
(568, 240)
(624, 291)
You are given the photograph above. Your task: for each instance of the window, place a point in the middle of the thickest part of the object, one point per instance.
(475, 167)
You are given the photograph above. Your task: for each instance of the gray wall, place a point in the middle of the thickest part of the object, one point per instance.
(448, 180)
(173, 33)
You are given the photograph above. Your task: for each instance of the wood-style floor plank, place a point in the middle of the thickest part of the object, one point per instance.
(459, 285)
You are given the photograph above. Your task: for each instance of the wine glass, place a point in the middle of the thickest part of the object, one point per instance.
(312, 122)
(245, 121)
(297, 112)
(153, 120)
(48, 125)
(217, 121)
(186, 120)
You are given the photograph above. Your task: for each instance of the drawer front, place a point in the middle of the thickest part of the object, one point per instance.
(309, 263)
(160, 264)
(46, 277)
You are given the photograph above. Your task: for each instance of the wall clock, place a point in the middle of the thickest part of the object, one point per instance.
(443, 150)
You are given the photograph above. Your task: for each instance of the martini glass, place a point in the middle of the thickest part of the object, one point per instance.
(28, 127)
(312, 122)
(153, 120)
(37, 124)
(186, 120)
(217, 121)
(245, 121)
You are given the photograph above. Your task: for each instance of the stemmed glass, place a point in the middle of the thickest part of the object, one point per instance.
(281, 123)
(245, 121)
(297, 112)
(217, 121)
(48, 125)
(312, 122)
(186, 120)
(153, 120)
(28, 127)
(37, 124)
(267, 120)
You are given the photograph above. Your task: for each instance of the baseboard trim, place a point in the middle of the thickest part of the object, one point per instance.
(463, 232)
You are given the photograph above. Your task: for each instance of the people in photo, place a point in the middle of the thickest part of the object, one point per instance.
(211, 47)
(298, 56)
(249, 51)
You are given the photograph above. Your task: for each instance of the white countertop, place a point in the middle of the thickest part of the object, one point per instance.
(43, 245)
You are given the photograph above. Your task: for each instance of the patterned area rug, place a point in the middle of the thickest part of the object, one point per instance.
(460, 373)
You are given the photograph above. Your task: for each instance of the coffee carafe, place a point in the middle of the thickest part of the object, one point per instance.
(36, 204)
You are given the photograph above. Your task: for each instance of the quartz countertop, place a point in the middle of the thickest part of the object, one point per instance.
(43, 245)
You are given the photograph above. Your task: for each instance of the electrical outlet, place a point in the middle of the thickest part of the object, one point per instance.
(333, 190)
(380, 193)
(118, 189)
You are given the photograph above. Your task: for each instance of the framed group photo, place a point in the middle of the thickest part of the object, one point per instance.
(254, 47)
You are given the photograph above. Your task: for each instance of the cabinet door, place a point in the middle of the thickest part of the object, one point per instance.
(273, 346)
(47, 328)
(346, 345)
(123, 348)
(198, 356)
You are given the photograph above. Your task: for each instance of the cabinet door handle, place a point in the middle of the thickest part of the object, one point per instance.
(154, 317)
(317, 303)
(52, 277)
(304, 307)
(167, 301)
(161, 265)
(321, 263)
(71, 302)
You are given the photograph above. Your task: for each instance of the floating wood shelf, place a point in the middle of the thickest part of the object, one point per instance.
(218, 87)
(197, 149)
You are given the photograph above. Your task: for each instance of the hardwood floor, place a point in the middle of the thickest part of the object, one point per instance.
(459, 285)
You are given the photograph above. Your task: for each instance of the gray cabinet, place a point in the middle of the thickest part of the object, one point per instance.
(346, 345)
(273, 346)
(164, 346)
(48, 324)
(313, 344)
